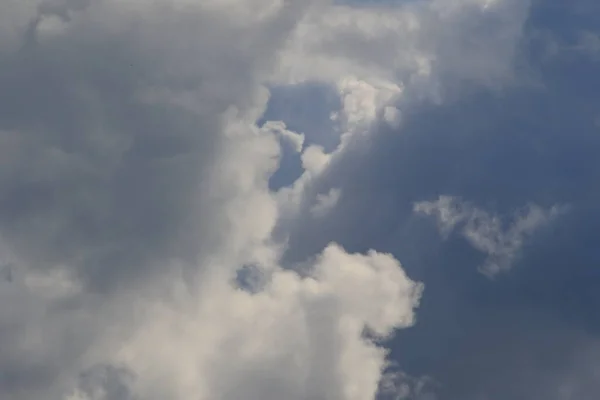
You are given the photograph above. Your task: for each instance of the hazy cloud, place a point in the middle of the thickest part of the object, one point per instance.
(500, 242)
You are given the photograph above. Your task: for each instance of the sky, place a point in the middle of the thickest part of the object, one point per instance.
(299, 200)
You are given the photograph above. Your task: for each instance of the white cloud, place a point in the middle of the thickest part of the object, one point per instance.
(136, 184)
(499, 241)
(298, 338)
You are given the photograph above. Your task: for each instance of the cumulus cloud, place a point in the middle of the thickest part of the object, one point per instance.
(297, 338)
(104, 122)
(500, 242)
(134, 181)
(148, 254)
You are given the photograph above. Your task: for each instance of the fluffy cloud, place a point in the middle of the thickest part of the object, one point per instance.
(103, 124)
(134, 184)
(138, 143)
(297, 338)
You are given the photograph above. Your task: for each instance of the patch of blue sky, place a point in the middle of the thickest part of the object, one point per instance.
(305, 108)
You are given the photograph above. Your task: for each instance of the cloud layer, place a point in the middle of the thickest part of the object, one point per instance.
(134, 187)
(191, 192)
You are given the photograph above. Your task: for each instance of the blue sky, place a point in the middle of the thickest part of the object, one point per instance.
(523, 334)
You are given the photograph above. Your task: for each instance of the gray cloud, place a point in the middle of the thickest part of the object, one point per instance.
(131, 165)
(91, 170)
(109, 118)
(133, 187)
(110, 122)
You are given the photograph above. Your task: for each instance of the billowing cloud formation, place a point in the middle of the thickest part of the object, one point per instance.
(134, 185)
(297, 338)
(169, 217)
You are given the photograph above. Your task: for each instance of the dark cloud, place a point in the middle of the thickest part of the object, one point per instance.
(110, 122)
(100, 131)
(106, 381)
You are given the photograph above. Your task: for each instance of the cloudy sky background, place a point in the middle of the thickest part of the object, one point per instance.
(299, 199)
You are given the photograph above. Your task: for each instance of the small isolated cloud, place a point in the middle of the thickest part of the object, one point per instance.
(325, 202)
(397, 385)
(499, 240)
(293, 139)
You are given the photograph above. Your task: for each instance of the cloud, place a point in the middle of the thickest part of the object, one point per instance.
(102, 124)
(494, 119)
(297, 338)
(135, 186)
(139, 144)
(399, 386)
(485, 232)
(325, 202)
(392, 89)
